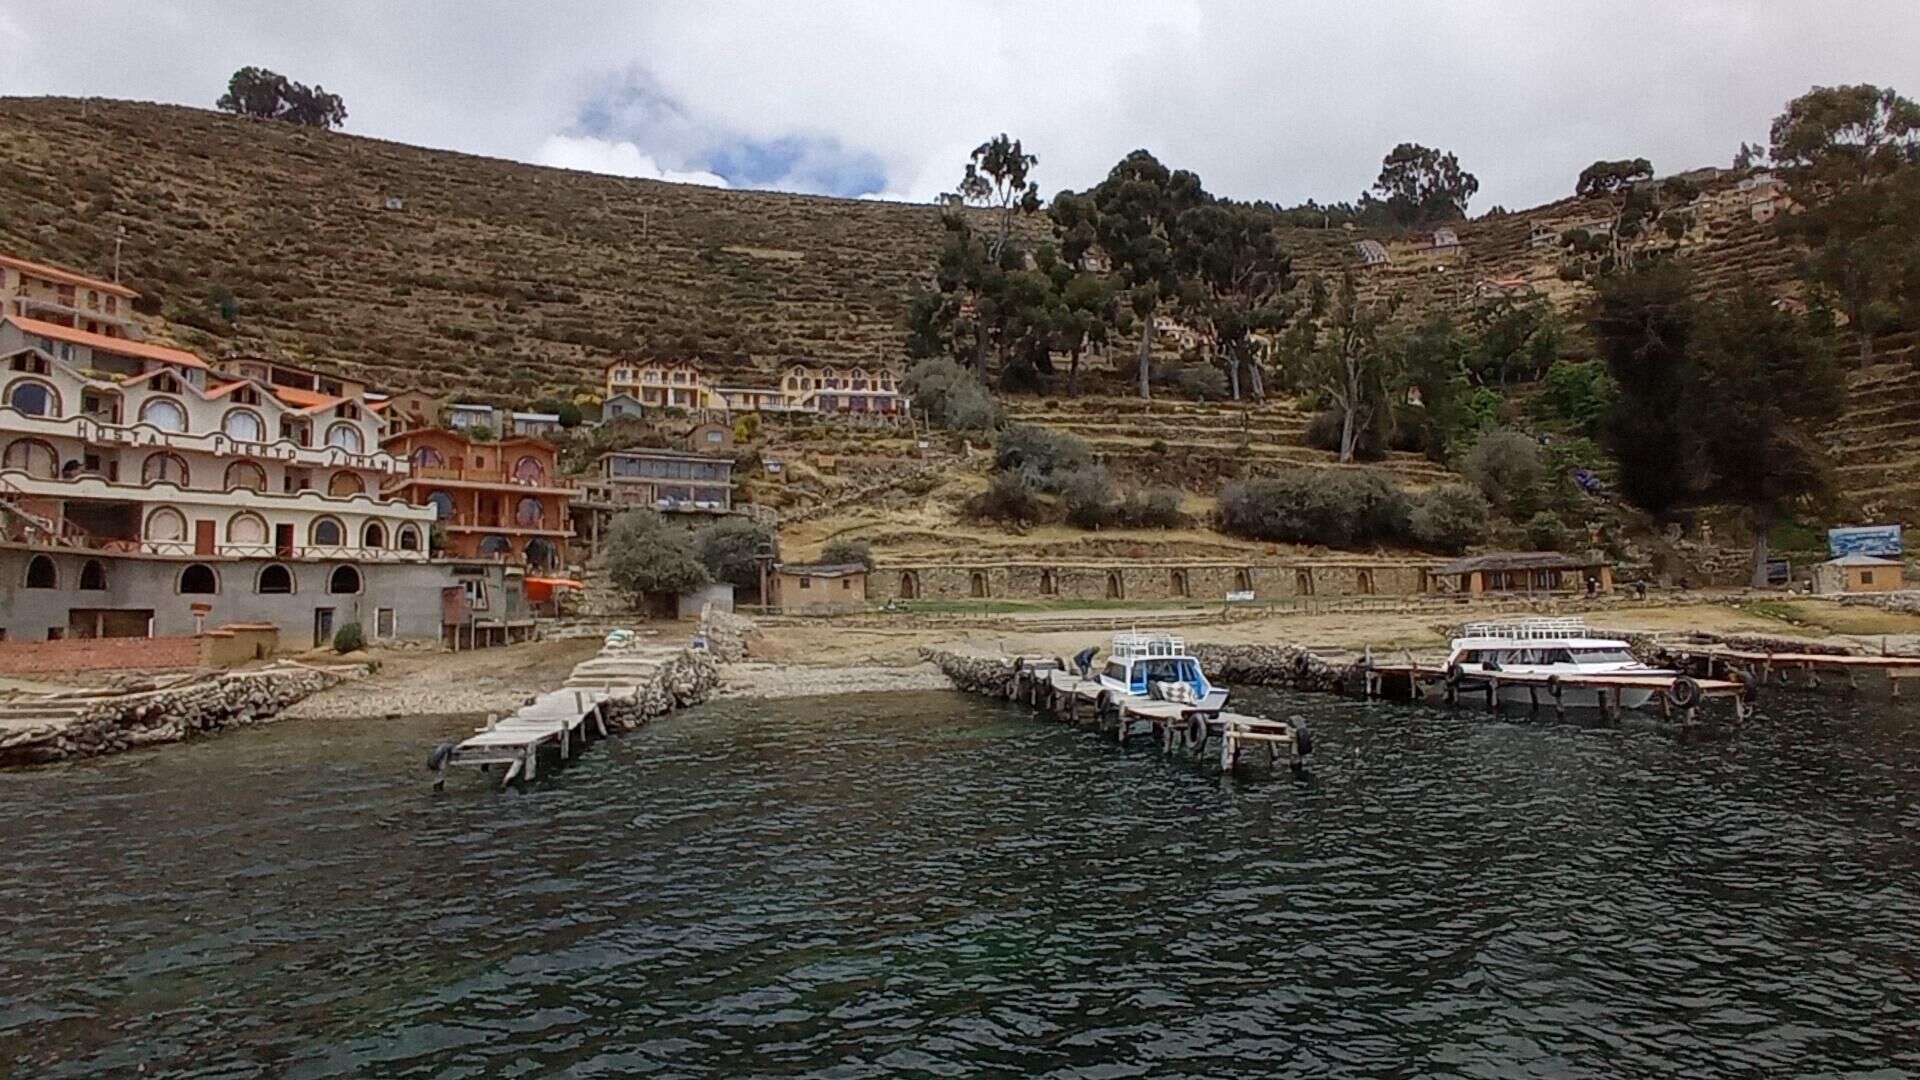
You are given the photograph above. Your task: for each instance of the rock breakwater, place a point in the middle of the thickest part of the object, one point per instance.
(83, 727)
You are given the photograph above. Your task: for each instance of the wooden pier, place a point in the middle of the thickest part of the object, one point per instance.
(1675, 697)
(560, 720)
(1050, 686)
(559, 723)
(1763, 667)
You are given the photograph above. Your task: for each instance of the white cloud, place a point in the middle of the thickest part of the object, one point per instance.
(590, 154)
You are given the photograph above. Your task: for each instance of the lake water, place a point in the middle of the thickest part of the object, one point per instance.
(939, 885)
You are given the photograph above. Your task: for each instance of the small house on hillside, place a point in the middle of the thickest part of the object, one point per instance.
(1859, 574)
(461, 416)
(1522, 572)
(819, 590)
(535, 425)
(621, 407)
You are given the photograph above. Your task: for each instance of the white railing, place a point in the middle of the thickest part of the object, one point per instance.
(167, 492)
(218, 443)
(1133, 646)
(1542, 629)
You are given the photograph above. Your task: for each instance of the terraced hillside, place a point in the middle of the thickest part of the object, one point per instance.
(1193, 444)
(1877, 448)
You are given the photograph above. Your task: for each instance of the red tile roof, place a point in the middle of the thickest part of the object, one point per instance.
(122, 346)
(66, 277)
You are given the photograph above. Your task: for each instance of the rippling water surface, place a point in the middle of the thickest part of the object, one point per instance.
(937, 885)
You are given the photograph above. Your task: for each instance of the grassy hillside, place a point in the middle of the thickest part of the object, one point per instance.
(510, 281)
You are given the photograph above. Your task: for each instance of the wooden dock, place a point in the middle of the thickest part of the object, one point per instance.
(560, 720)
(1675, 697)
(559, 723)
(1765, 666)
(1049, 686)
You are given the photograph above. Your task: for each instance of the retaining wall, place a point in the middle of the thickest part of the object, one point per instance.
(1134, 580)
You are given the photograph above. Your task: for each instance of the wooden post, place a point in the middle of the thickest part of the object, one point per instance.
(533, 760)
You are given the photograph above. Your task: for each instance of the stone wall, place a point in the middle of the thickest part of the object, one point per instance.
(117, 723)
(1138, 580)
(687, 678)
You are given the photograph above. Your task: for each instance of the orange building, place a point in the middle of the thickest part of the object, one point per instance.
(499, 500)
(64, 298)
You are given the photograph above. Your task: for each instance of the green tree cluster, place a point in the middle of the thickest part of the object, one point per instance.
(268, 95)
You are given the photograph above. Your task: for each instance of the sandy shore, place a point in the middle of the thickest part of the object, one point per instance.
(449, 684)
(764, 680)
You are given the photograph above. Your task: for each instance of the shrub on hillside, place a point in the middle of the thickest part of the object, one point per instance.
(1323, 433)
(845, 552)
(730, 549)
(1578, 394)
(1087, 496)
(950, 395)
(647, 555)
(1203, 382)
(1150, 508)
(1506, 467)
(1039, 455)
(1448, 518)
(1546, 532)
(1007, 498)
(1315, 506)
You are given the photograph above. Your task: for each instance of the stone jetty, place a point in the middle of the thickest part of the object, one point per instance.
(81, 723)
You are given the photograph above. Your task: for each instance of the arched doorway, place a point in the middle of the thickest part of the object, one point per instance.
(1242, 581)
(541, 553)
(1049, 585)
(1303, 582)
(1363, 582)
(909, 585)
(977, 585)
(1177, 583)
(1116, 586)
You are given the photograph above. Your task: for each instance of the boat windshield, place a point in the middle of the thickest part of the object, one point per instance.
(1169, 670)
(1602, 656)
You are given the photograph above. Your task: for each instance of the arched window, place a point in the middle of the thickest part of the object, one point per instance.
(426, 457)
(199, 579)
(496, 545)
(442, 504)
(244, 425)
(529, 514)
(93, 576)
(344, 581)
(374, 535)
(909, 585)
(33, 398)
(33, 457)
(528, 470)
(409, 538)
(171, 468)
(345, 437)
(977, 584)
(164, 413)
(1242, 581)
(327, 532)
(246, 529)
(274, 578)
(41, 573)
(246, 476)
(1049, 585)
(1177, 583)
(1116, 587)
(166, 524)
(344, 484)
(541, 554)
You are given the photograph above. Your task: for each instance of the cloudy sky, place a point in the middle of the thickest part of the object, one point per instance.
(1283, 99)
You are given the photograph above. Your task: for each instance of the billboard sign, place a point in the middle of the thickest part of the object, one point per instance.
(1881, 540)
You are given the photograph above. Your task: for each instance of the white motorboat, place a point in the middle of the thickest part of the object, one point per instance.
(1550, 647)
(1157, 667)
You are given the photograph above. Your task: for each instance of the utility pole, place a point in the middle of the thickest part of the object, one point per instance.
(119, 237)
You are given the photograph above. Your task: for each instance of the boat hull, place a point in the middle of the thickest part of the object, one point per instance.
(1575, 697)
